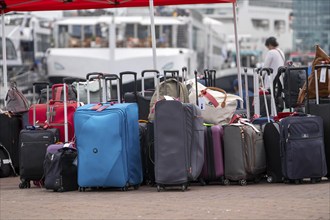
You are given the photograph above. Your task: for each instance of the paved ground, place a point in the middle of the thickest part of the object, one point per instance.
(254, 201)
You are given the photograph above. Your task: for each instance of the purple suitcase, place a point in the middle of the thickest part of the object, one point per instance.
(213, 168)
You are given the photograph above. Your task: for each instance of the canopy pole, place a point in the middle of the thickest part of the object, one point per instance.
(153, 36)
(4, 57)
(238, 57)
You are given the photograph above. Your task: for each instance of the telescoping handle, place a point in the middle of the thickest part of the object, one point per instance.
(155, 72)
(70, 80)
(323, 77)
(35, 102)
(110, 78)
(268, 71)
(247, 101)
(196, 85)
(93, 76)
(121, 75)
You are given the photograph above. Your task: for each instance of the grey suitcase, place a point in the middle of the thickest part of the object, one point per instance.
(245, 157)
(179, 143)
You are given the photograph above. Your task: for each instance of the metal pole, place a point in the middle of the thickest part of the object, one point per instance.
(153, 35)
(238, 57)
(4, 57)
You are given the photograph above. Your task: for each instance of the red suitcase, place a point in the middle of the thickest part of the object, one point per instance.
(55, 116)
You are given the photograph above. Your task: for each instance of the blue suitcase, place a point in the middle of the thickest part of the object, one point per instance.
(107, 138)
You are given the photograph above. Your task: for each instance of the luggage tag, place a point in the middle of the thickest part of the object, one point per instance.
(323, 74)
(201, 103)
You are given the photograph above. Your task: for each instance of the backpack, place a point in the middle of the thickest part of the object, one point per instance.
(170, 87)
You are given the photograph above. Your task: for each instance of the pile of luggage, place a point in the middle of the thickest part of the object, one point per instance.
(93, 133)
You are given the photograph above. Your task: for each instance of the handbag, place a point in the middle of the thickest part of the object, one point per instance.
(16, 101)
(217, 106)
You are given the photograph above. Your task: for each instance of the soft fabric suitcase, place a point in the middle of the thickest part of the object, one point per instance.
(60, 168)
(213, 168)
(147, 152)
(302, 148)
(244, 154)
(33, 145)
(179, 140)
(10, 127)
(107, 139)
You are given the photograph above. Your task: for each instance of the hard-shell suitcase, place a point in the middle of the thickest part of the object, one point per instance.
(10, 127)
(213, 168)
(179, 143)
(245, 158)
(302, 148)
(107, 139)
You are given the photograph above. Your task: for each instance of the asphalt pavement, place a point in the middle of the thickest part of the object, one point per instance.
(254, 201)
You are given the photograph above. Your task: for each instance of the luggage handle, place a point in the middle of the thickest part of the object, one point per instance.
(112, 77)
(196, 85)
(72, 80)
(156, 72)
(184, 73)
(96, 75)
(247, 101)
(212, 99)
(35, 102)
(264, 93)
(121, 74)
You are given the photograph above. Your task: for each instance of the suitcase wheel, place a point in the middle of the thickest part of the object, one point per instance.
(136, 187)
(315, 180)
(184, 187)
(158, 188)
(242, 182)
(269, 179)
(226, 182)
(61, 189)
(81, 189)
(202, 181)
(24, 184)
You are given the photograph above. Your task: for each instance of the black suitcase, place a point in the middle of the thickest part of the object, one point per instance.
(147, 152)
(33, 145)
(322, 109)
(142, 98)
(302, 148)
(10, 127)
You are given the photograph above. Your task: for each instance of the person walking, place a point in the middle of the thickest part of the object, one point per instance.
(274, 59)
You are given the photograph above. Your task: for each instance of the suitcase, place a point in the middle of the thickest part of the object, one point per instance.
(33, 145)
(302, 148)
(213, 168)
(141, 98)
(321, 107)
(147, 152)
(108, 146)
(60, 168)
(55, 118)
(115, 163)
(244, 153)
(179, 143)
(10, 127)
